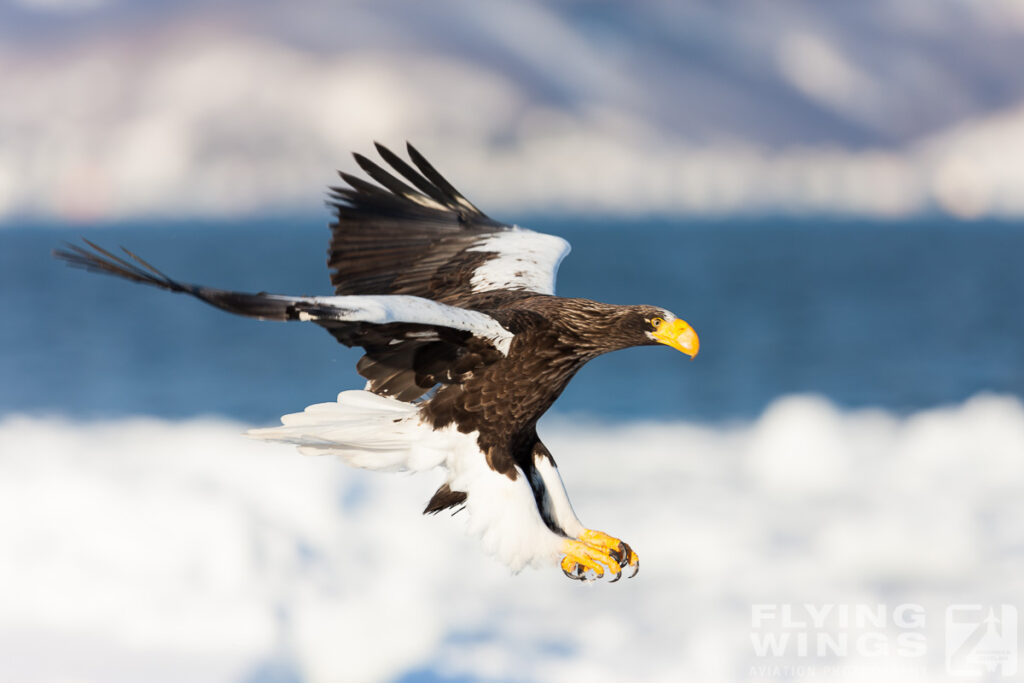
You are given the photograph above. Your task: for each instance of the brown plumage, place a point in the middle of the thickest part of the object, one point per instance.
(554, 337)
(444, 299)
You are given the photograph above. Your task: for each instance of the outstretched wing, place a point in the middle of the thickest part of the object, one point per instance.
(411, 343)
(415, 234)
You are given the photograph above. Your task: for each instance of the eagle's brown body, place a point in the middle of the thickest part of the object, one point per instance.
(503, 400)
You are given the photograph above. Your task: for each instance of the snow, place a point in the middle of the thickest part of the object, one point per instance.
(145, 549)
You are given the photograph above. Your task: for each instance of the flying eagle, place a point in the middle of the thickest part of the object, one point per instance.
(466, 346)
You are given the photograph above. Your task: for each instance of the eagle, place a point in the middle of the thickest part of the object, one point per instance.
(466, 346)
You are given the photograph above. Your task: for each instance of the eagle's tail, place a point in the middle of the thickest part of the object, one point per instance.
(363, 429)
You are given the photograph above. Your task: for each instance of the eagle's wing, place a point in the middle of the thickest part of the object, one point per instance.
(411, 343)
(427, 240)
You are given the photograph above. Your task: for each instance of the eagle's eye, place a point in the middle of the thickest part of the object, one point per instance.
(657, 322)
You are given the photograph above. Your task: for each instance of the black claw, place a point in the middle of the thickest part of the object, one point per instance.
(618, 575)
(636, 568)
(574, 574)
(577, 574)
(623, 554)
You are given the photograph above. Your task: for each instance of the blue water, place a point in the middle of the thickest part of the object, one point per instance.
(900, 315)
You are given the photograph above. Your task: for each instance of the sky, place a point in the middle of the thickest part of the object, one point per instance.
(119, 110)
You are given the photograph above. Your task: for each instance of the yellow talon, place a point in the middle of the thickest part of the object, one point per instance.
(581, 558)
(612, 546)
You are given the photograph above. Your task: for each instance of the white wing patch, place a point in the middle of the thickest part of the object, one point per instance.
(384, 308)
(526, 260)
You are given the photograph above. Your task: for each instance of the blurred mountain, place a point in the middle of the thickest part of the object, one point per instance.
(127, 109)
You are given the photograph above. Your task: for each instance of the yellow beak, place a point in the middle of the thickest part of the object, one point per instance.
(679, 335)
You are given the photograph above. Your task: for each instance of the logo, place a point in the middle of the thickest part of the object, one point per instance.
(793, 640)
(981, 640)
(835, 640)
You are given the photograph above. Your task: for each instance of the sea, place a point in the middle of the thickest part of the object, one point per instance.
(900, 315)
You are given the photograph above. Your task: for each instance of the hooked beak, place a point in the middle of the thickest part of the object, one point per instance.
(679, 335)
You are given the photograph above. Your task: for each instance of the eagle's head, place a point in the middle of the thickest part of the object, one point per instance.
(596, 328)
(610, 327)
(660, 326)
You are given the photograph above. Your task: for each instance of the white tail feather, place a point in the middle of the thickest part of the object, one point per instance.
(363, 429)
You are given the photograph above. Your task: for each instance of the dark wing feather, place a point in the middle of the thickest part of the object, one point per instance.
(455, 197)
(406, 361)
(412, 175)
(403, 359)
(416, 234)
(261, 306)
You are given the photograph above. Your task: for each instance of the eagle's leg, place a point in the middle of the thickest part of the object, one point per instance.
(585, 552)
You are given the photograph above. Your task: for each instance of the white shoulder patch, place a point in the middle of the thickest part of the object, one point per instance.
(526, 260)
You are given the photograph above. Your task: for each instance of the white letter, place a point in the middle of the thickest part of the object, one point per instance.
(787, 618)
(864, 645)
(838, 645)
(818, 618)
(758, 614)
(763, 642)
(864, 616)
(908, 616)
(911, 645)
(801, 644)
